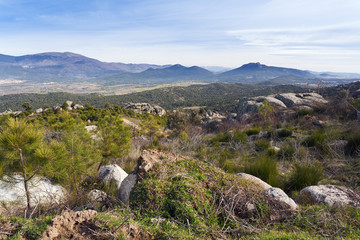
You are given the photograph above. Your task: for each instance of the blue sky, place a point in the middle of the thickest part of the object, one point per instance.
(319, 35)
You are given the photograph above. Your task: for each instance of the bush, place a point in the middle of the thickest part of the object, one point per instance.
(264, 168)
(240, 136)
(283, 133)
(317, 139)
(287, 152)
(304, 175)
(253, 131)
(262, 145)
(353, 145)
(304, 112)
(236, 136)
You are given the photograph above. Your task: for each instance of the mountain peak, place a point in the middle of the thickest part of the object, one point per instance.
(253, 65)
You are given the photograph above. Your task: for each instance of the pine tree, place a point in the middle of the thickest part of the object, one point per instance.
(115, 136)
(23, 151)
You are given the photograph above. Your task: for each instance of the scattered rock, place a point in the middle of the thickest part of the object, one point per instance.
(330, 195)
(39, 110)
(78, 106)
(278, 195)
(276, 149)
(127, 186)
(319, 123)
(71, 225)
(96, 196)
(231, 116)
(254, 179)
(146, 108)
(112, 174)
(91, 128)
(42, 191)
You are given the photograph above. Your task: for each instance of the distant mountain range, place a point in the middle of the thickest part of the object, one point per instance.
(63, 67)
(55, 66)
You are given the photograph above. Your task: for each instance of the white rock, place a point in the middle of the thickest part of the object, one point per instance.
(271, 100)
(278, 195)
(112, 173)
(97, 195)
(254, 179)
(330, 195)
(41, 189)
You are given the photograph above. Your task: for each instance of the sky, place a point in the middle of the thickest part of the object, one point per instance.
(317, 35)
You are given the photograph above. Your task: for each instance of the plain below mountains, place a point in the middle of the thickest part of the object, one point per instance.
(71, 67)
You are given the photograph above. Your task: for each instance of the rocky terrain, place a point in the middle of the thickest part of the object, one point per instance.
(284, 166)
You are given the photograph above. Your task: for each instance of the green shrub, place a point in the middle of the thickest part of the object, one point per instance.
(356, 104)
(287, 152)
(283, 133)
(236, 136)
(262, 145)
(253, 131)
(353, 145)
(264, 168)
(240, 136)
(304, 175)
(304, 112)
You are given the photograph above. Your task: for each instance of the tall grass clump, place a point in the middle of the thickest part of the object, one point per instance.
(253, 131)
(353, 145)
(304, 175)
(265, 168)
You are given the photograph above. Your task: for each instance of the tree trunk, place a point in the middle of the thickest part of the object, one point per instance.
(25, 181)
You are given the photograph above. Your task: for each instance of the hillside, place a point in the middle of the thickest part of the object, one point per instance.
(255, 72)
(175, 73)
(278, 171)
(56, 66)
(219, 96)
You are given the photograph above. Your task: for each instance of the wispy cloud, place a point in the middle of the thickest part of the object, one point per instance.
(343, 35)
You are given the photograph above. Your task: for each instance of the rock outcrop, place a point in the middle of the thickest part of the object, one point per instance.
(282, 101)
(42, 191)
(112, 174)
(146, 161)
(146, 108)
(330, 195)
(300, 99)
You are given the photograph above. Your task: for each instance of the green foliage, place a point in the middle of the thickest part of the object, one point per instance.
(356, 104)
(27, 106)
(177, 121)
(283, 133)
(22, 146)
(235, 136)
(262, 145)
(287, 152)
(253, 131)
(115, 137)
(266, 110)
(263, 167)
(317, 139)
(304, 175)
(353, 144)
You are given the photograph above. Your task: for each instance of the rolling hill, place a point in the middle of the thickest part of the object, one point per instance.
(174, 73)
(56, 66)
(254, 73)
